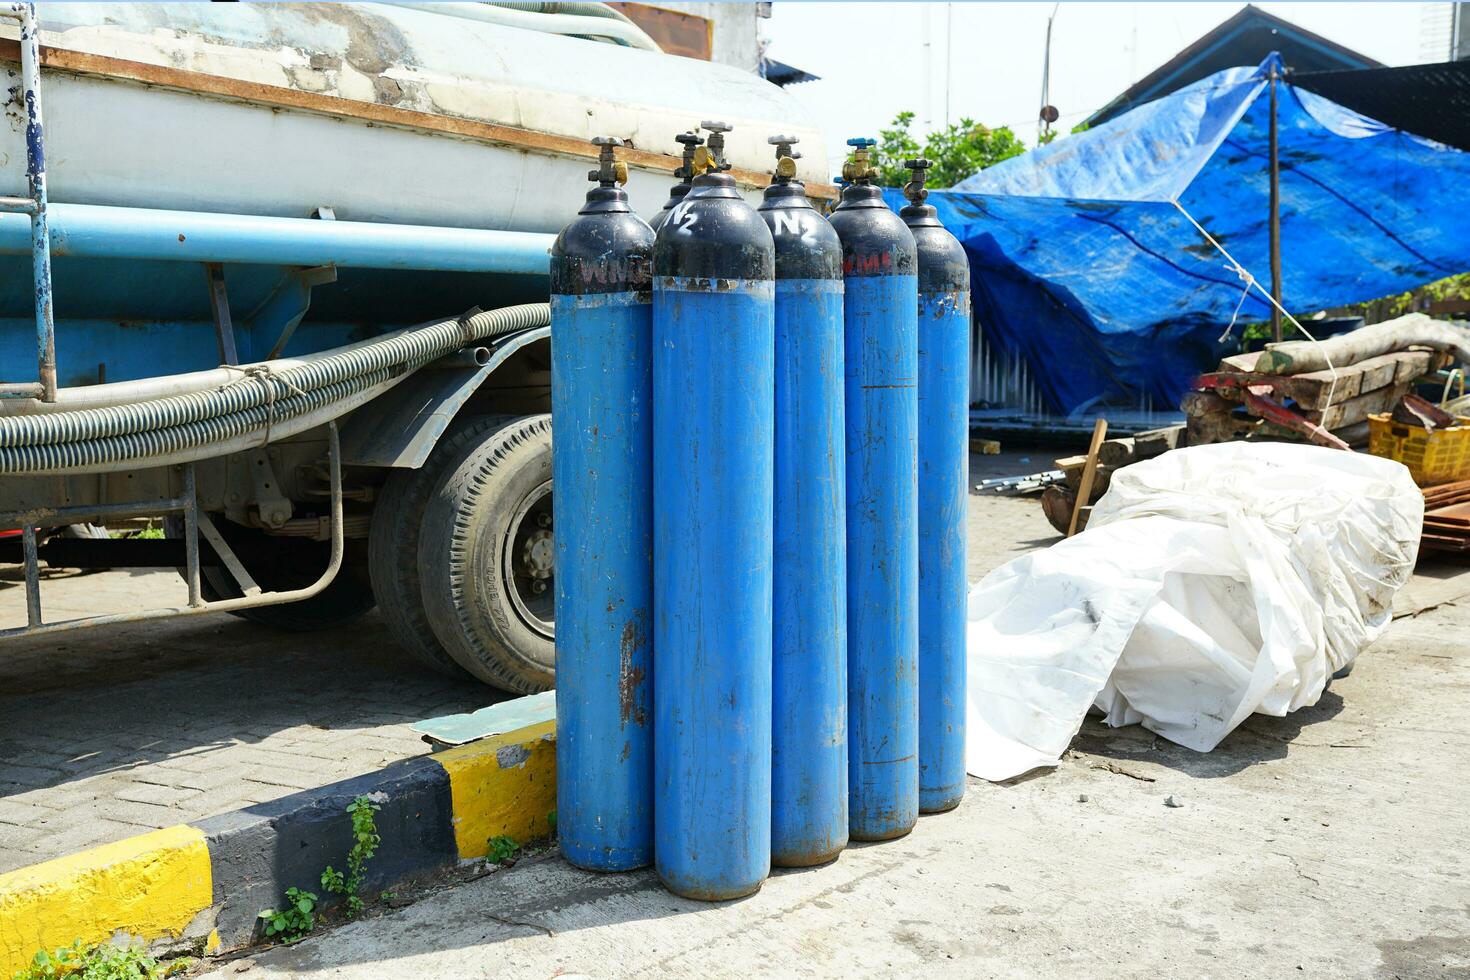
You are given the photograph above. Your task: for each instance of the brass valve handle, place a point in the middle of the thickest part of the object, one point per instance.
(918, 172)
(610, 170)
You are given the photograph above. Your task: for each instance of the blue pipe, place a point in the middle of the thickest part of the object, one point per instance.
(98, 231)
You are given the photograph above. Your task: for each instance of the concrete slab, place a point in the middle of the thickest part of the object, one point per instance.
(1329, 843)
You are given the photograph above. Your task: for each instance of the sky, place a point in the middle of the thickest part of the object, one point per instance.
(874, 61)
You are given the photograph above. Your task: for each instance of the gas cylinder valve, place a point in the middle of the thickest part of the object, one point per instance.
(690, 141)
(785, 157)
(710, 158)
(610, 170)
(859, 169)
(918, 172)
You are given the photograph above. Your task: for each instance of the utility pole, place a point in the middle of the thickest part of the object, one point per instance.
(1275, 220)
(1048, 114)
(948, 56)
(926, 20)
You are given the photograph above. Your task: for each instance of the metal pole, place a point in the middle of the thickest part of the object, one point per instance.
(1275, 220)
(1043, 126)
(30, 71)
(191, 534)
(949, 56)
(33, 577)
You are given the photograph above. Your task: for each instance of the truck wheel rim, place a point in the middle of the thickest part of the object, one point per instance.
(529, 568)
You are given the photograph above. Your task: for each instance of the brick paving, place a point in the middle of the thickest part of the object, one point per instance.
(112, 732)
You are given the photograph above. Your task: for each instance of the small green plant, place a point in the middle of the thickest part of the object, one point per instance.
(291, 923)
(99, 962)
(551, 824)
(365, 842)
(501, 849)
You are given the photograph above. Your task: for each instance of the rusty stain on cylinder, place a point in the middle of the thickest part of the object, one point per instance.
(630, 675)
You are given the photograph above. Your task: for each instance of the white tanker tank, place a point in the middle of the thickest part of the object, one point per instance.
(458, 115)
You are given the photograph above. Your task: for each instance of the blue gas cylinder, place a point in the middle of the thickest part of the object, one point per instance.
(713, 344)
(602, 431)
(880, 317)
(809, 672)
(944, 465)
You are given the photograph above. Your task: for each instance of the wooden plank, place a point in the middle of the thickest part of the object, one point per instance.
(1115, 452)
(279, 96)
(1357, 409)
(1241, 363)
(1198, 404)
(1072, 467)
(1089, 472)
(1213, 427)
(1156, 442)
(1446, 494)
(1436, 360)
(1310, 391)
(1058, 504)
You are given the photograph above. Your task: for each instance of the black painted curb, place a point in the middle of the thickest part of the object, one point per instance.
(258, 852)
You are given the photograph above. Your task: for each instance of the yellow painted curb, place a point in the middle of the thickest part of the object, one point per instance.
(502, 785)
(150, 886)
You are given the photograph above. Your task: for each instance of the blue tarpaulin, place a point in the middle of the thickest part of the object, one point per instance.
(1086, 265)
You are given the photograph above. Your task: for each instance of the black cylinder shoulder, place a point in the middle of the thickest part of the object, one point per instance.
(943, 264)
(875, 241)
(714, 234)
(606, 249)
(806, 244)
(676, 194)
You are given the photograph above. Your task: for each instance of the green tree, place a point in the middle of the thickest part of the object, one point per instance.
(955, 152)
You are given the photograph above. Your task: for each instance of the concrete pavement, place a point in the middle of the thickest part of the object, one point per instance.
(1329, 843)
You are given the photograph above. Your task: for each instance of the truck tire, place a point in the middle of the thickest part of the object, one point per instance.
(295, 564)
(393, 545)
(485, 558)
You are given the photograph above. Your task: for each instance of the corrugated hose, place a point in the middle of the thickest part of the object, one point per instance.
(261, 400)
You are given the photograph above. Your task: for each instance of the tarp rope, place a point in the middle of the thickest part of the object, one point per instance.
(1250, 281)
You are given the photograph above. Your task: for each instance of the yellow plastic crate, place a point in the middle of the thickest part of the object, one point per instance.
(1442, 456)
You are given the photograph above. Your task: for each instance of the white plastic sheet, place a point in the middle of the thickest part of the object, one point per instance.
(1210, 583)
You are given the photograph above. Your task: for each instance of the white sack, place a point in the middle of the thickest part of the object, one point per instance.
(1210, 583)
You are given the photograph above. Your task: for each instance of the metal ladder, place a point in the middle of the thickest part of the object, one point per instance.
(35, 206)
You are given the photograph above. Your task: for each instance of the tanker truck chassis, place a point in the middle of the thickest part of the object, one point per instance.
(313, 519)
